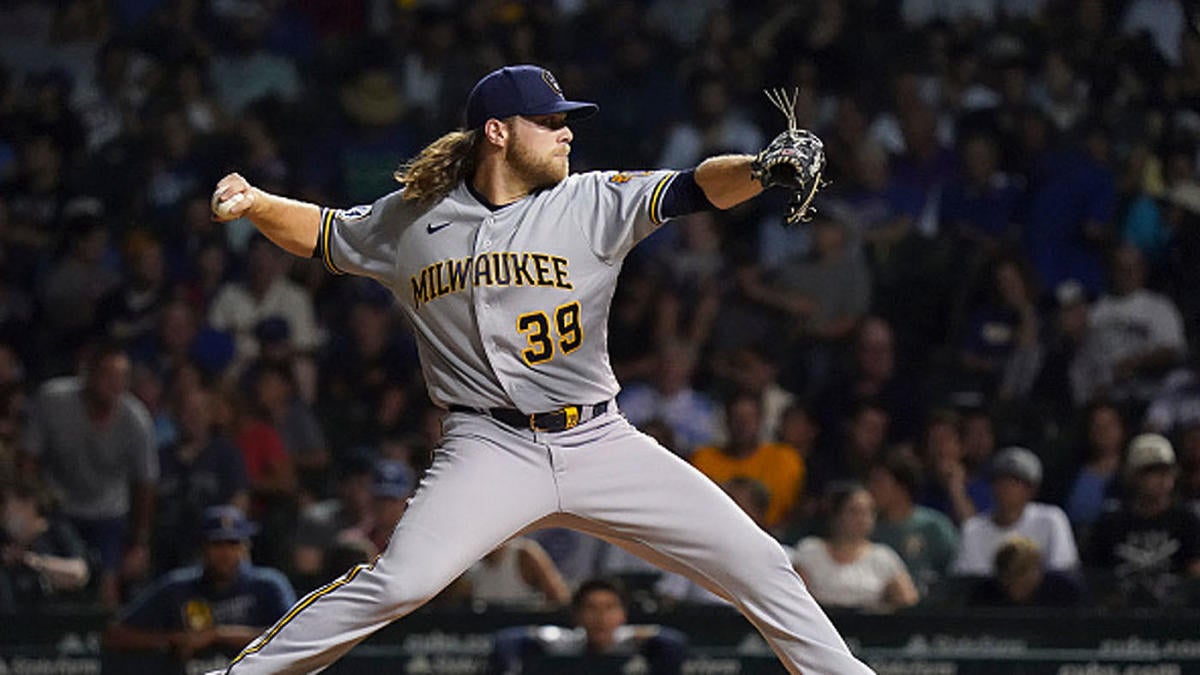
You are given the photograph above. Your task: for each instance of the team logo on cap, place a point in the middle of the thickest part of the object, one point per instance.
(548, 78)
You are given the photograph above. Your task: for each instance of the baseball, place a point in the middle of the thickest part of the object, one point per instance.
(224, 207)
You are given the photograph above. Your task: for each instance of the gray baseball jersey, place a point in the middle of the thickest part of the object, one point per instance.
(510, 306)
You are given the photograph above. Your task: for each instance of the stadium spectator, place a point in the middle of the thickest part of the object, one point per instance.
(240, 306)
(1071, 203)
(1135, 335)
(259, 73)
(858, 443)
(94, 445)
(147, 386)
(950, 488)
(1176, 405)
(276, 400)
(598, 608)
(1093, 489)
(1000, 351)
(977, 428)
(1160, 20)
(879, 210)
(754, 371)
(1150, 546)
(1021, 580)
(777, 466)
(200, 470)
(518, 574)
(718, 126)
(671, 397)
(268, 465)
(925, 539)
(131, 310)
(821, 297)
(979, 205)
(1057, 386)
(72, 290)
(1016, 477)
(873, 377)
(218, 606)
(798, 429)
(844, 568)
(42, 558)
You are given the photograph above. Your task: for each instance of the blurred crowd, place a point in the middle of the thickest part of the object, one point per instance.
(971, 379)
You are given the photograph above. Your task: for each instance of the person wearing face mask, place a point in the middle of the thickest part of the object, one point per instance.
(41, 557)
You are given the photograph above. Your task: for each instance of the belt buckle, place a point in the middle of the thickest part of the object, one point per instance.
(570, 419)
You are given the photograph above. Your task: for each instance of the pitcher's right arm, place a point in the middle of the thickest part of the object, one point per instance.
(292, 225)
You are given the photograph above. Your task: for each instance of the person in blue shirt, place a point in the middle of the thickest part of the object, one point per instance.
(218, 606)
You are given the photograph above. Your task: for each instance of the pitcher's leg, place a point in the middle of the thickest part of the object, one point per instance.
(668, 512)
(475, 496)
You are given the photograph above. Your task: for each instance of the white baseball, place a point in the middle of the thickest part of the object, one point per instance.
(224, 207)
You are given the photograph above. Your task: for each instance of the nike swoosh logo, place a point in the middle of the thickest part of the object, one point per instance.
(431, 228)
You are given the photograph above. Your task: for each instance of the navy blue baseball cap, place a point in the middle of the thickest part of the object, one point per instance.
(226, 523)
(521, 90)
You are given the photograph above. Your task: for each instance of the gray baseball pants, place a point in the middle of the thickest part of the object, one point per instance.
(490, 481)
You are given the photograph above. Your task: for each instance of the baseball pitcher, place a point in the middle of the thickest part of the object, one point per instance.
(505, 265)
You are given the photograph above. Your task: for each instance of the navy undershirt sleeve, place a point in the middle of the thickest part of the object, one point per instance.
(684, 196)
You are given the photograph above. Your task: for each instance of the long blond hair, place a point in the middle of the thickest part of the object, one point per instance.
(434, 172)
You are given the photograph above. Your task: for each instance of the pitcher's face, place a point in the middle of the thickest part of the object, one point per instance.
(540, 149)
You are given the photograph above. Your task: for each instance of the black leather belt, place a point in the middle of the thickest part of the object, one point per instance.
(556, 420)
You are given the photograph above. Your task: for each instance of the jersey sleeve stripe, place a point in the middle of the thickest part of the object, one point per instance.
(326, 230)
(301, 606)
(656, 216)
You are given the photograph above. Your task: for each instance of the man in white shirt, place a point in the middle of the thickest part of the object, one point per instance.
(1016, 475)
(266, 292)
(1135, 336)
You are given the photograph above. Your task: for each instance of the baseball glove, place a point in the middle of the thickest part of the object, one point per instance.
(794, 160)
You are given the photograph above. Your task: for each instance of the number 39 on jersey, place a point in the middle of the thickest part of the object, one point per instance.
(548, 336)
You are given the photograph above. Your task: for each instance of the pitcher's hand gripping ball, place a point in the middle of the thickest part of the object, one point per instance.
(794, 160)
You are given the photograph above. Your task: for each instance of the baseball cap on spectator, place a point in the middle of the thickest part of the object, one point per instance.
(226, 523)
(393, 479)
(1018, 463)
(521, 90)
(1146, 451)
